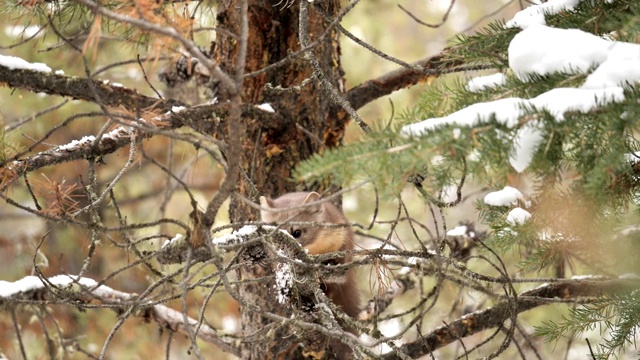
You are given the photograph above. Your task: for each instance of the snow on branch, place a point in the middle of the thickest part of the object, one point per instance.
(87, 290)
(80, 88)
(505, 197)
(120, 137)
(85, 148)
(13, 62)
(175, 250)
(534, 15)
(542, 50)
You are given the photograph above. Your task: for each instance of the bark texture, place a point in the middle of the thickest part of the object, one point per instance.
(307, 122)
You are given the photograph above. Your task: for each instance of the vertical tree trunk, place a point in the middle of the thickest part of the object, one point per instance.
(308, 123)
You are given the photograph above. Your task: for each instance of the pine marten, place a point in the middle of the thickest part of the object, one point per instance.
(318, 240)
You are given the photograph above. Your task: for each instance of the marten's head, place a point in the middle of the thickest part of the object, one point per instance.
(296, 207)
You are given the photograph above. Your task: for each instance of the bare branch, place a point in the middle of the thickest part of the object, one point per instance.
(86, 291)
(399, 79)
(79, 89)
(565, 290)
(206, 119)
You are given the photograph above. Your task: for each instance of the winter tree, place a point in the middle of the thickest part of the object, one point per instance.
(495, 216)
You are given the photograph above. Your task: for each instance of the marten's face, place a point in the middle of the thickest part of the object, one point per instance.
(305, 234)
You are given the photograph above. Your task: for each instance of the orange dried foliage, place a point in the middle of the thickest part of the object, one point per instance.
(8, 175)
(381, 275)
(162, 14)
(58, 197)
(90, 46)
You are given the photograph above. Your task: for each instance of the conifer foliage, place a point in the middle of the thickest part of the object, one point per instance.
(558, 120)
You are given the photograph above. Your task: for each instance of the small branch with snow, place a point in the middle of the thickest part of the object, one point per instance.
(85, 290)
(506, 197)
(77, 149)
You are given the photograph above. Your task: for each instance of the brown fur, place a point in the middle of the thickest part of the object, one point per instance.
(318, 240)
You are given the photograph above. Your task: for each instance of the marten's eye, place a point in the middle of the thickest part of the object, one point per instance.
(296, 233)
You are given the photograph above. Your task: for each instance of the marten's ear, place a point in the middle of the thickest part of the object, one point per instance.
(265, 203)
(311, 197)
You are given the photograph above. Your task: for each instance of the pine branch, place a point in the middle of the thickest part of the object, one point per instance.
(401, 78)
(565, 290)
(85, 291)
(207, 119)
(82, 89)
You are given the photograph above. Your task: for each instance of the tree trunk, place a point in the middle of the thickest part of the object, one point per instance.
(308, 122)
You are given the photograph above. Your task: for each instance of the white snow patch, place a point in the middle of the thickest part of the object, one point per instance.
(21, 30)
(480, 83)
(237, 236)
(629, 276)
(535, 14)
(614, 72)
(561, 100)
(459, 230)
(59, 72)
(505, 197)
(174, 239)
(525, 144)
(13, 63)
(177, 109)
(407, 269)
(437, 160)
(585, 277)
(29, 283)
(230, 324)
(544, 50)
(633, 157)
(284, 281)
(116, 133)
(115, 84)
(518, 216)
(506, 111)
(450, 193)
(76, 143)
(388, 328)
(266, 107)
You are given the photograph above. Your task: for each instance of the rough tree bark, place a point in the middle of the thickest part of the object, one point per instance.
(307, 123)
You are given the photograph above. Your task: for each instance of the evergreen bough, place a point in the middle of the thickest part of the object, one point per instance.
(584, 176)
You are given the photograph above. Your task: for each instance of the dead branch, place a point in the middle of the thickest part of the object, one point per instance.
(566, 290)
(205, 119)
(84, 291)
(401, 78)
(80, 88)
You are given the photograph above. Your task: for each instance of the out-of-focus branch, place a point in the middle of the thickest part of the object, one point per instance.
(378, 304)
(236, 128)
(79, 88)
(401, 78)
(206, 119)
(564, 291)
(84, 291)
